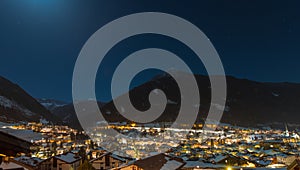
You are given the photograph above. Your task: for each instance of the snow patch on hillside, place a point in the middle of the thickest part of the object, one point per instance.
(275, 94)
(51, 104)
(7, 103)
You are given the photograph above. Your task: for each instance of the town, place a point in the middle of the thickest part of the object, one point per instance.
(41, 146)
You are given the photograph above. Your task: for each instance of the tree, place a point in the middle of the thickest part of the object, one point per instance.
(82, 153)
(92, 145)
(54, 147)
(86, 166)
(72, 135)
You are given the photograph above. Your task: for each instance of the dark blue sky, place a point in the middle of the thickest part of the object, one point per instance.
(41, 39)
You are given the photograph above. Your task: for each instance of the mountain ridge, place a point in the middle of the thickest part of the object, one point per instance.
(18, 105)
(248, 102)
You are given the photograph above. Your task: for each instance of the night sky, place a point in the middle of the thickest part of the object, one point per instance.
(41, 39)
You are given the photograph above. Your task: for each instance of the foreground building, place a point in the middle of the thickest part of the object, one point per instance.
(295, 165)
(107, 161)
(65, 161)
(156, 162)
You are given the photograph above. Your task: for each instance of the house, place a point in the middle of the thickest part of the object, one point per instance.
(7, 163)
(156, 162)
(95, 153)
(196, 165)
(14, 141)
(107, 161)
(65, 161)
(228, 159)
(286, 159)
(20, 163)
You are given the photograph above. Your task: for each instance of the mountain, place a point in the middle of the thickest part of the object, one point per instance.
(68, 116)
(51, 104)
(64, 111)
(17, 105)
(249, 103)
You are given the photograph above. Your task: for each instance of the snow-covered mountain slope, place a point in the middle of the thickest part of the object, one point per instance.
(7, 103)
(17, 105)
(51, 104)
(68, 116)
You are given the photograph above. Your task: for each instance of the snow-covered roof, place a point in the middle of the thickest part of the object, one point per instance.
(219, 158)
(27, 135)
(68, 157)
(10, 165)
(171, 164)
(111, 155)
(159, 161)
(118, 158)
(200, 164)
(270, 152)
(263, 162)
(31, 161)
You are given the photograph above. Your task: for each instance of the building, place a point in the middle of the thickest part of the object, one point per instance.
(156, 162)
(15, 141)
(12, 166)
(65, 161)
(29, 163)
(107, 161)
(295, 165)
(227, 159)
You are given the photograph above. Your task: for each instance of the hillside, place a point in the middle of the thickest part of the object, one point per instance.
(17, 105)
(249, 103)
